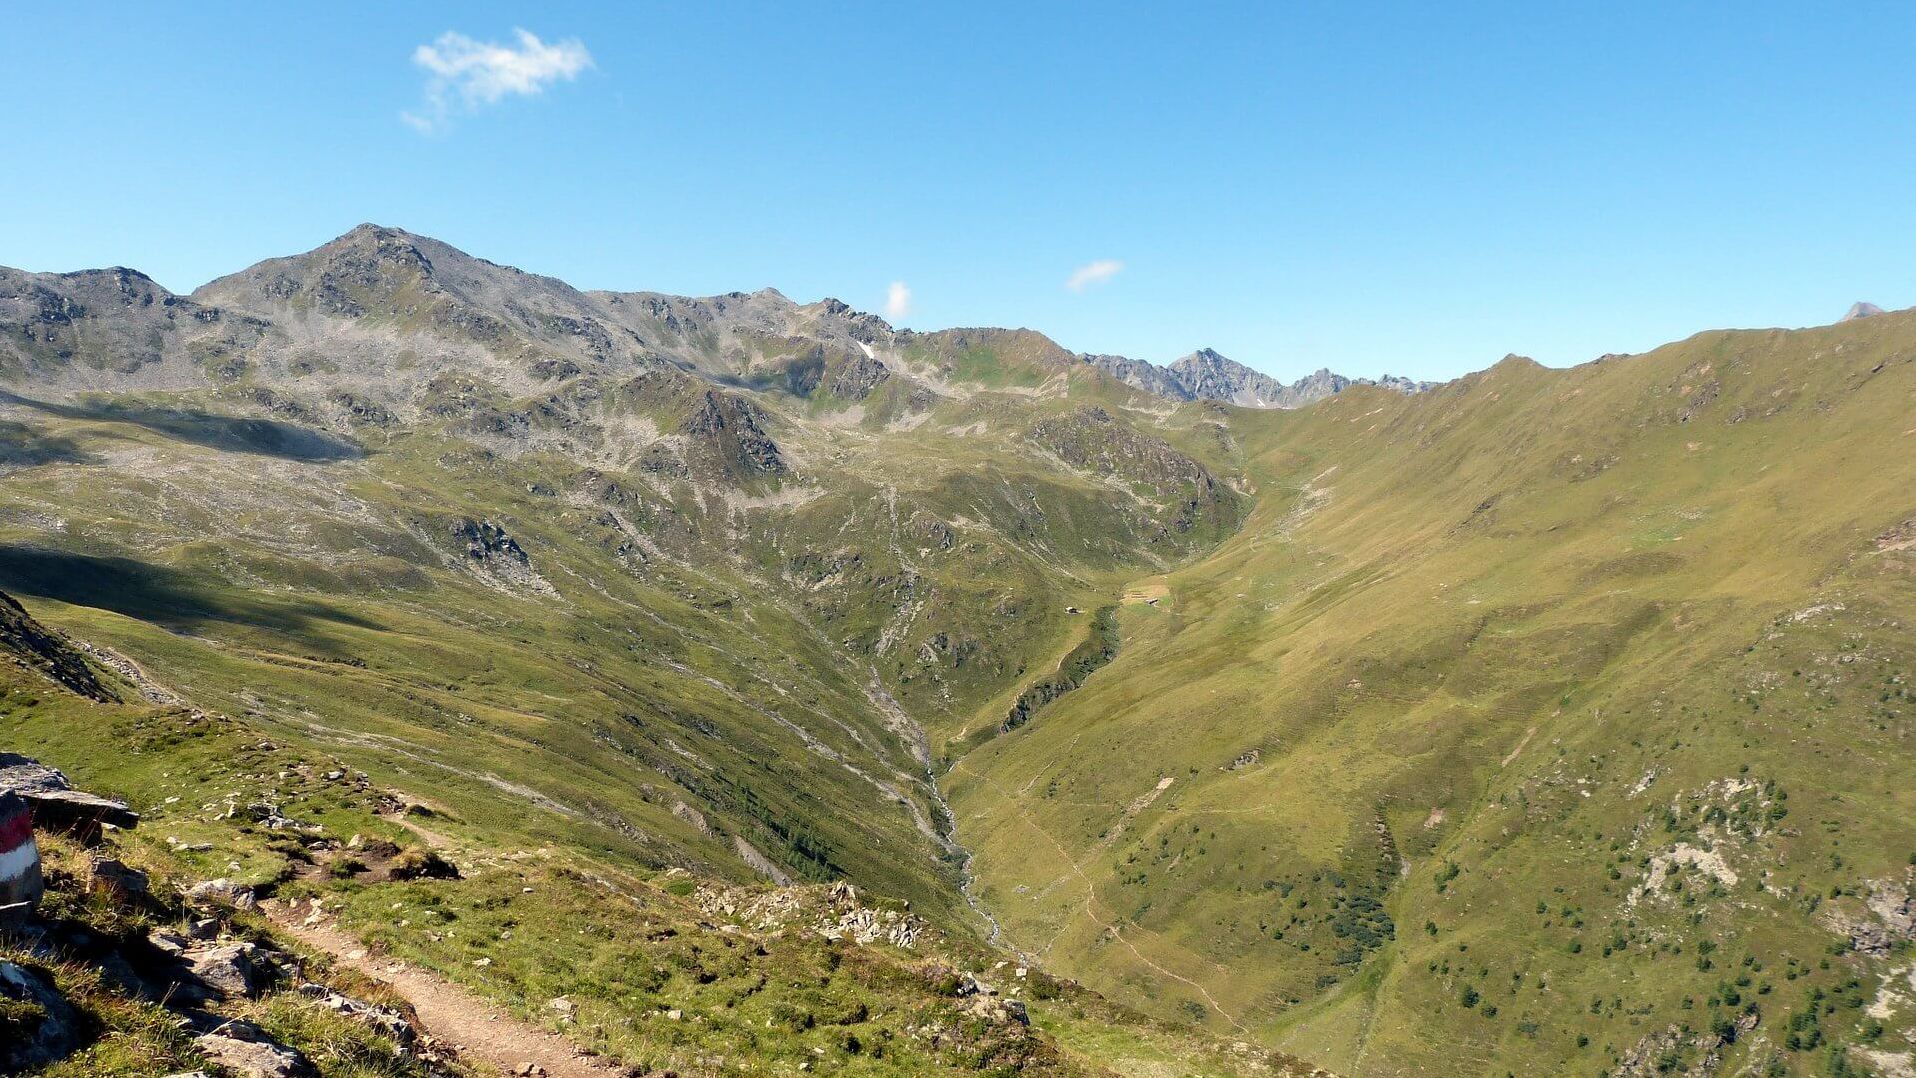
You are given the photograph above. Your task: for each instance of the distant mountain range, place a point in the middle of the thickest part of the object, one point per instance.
(1207, 375)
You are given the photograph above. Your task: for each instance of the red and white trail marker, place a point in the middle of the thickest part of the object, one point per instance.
(20, 883)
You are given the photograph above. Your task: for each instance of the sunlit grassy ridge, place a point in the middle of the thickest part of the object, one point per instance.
(1481, 661)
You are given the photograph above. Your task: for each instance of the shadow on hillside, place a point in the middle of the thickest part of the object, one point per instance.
(152, 593)
(23, 445)
(238, 434)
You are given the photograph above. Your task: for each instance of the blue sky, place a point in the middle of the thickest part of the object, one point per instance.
(1416, 188)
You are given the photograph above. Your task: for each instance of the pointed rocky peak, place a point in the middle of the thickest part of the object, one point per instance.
(1208, 374)
(394, 275)
(1861, 310)
(1209, 359)
(355, 274)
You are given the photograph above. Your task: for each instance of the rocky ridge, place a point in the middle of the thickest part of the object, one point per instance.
(1207, 375)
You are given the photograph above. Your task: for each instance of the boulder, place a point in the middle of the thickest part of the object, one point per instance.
(222, 892)
(232, 970)
(260, 1058)
(37, 1026)
(170, 944)
(56, 803)
(112, 878)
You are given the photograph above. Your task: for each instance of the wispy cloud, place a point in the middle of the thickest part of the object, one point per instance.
(1092, 273)
(898, 300)
(464, 74)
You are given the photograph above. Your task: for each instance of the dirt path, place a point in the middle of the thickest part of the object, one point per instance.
(481, 1031)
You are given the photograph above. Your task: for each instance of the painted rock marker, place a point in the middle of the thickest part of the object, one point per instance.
(20, 882)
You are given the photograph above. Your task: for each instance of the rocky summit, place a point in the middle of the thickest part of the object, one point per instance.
(1207, 375)
(441, 669)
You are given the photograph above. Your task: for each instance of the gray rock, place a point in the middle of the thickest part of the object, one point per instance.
(385, 1021)
(55, 802)
(36, 1041)
(222, 892)
(232, 970)
(113, 878)
(254, 1058)
(168, 943)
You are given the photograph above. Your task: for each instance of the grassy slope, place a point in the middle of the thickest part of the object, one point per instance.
(698, 644)
(547, 921)
(722, 647)
(1459, 630)
(1543, 567)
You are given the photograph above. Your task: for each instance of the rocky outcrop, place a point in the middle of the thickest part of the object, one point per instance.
(55, 802)
(855, 376)
(1886, 921)
(497, 556)
(729, 434)
(1093, 440)
(38, 648)
(231, 970)
(1143, 374)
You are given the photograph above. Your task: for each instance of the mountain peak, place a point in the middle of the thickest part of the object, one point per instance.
(1861, 309)
(1208, 374)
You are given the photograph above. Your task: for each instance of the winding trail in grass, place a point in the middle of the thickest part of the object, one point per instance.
(477, 1028)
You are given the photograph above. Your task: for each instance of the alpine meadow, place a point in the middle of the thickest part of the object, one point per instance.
(421, 667)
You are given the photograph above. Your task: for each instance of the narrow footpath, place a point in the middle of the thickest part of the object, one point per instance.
(479, 1030)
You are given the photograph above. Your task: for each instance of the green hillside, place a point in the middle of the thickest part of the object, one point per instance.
(1546, 721)
(1526, 721)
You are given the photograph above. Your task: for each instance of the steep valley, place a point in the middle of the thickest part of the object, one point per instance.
(1544, 721)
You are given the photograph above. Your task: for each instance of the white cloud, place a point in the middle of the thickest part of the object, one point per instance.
(898, 300)
(1093, 273)
(467, 74)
